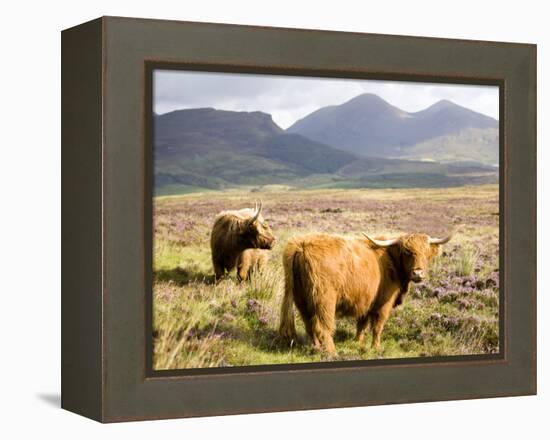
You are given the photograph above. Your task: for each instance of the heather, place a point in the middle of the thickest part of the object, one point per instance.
(199, 323)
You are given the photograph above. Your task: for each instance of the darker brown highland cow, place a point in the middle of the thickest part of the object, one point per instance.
(364, 278)
(235, 231)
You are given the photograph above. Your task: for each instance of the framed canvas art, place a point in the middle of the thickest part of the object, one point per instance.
(264, 219)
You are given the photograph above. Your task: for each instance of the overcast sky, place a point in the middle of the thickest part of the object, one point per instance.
(288, 99)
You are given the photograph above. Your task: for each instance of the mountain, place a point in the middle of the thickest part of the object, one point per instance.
(204, 148)
(208, 148)
(369, 126)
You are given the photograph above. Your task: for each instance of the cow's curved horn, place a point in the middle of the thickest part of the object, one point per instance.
(440, 240)
(257, 213)
(382, 243)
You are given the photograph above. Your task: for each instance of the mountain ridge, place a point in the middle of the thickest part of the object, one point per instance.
(207, 148)
(368, 125)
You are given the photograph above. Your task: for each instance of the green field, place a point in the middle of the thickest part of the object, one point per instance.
(199, 323)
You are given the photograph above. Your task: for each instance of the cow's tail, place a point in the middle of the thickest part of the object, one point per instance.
(287, 327)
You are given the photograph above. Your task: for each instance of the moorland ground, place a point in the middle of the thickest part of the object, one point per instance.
(200, 323)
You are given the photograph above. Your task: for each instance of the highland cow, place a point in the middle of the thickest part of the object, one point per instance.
(250, 261)
(235, 231)
(364, 278)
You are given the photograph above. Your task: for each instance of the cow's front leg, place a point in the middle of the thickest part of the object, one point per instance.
(379, 319)
(243, 273)
(219, 270)
(362, 323)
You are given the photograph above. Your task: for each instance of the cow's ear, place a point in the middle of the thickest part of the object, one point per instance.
(434, 248)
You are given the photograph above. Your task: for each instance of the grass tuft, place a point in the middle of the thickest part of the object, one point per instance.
(465, 261)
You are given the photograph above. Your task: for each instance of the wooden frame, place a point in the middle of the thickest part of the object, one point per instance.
(106, 214)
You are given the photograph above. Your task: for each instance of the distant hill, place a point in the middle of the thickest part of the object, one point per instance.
(369, 126)
(218, 149)
(205, 148)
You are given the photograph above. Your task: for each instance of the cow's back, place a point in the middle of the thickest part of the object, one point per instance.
(336, 266)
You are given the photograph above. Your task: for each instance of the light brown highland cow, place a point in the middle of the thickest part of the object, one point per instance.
(235, 231)
(250, 261)
(364, 278)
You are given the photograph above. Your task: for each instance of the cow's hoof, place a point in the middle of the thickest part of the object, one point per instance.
(330, 356)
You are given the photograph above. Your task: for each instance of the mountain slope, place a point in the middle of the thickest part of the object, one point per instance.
(470, 144)
(216, 149)
(369, 126)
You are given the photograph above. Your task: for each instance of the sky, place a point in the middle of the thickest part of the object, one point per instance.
(290, 98)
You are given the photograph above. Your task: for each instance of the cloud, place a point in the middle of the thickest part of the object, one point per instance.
(289, 98)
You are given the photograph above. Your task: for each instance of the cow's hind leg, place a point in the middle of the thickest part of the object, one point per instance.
(309, 328)
(323, 325)
(308, 325)
(322, 337)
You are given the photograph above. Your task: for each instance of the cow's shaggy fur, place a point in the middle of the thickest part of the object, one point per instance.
(328, 274)
(250, 261)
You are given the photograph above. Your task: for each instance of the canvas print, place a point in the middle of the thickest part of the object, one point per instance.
(302, 219)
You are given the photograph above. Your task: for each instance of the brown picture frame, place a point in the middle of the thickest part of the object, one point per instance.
(107, 217)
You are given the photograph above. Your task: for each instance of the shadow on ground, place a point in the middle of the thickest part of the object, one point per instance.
(181, 276)
(52, 399)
